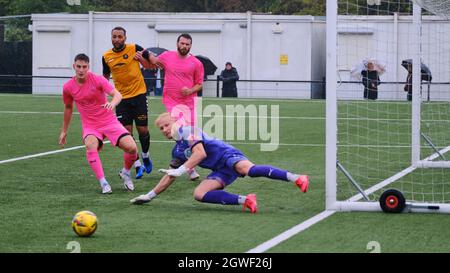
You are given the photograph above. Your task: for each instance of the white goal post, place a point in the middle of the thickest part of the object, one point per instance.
(382, 143)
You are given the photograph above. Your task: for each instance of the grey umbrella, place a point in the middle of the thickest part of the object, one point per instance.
(156, 50)
(208, 66)
(426, 72)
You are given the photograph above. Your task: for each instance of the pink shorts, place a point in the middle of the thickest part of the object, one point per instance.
(186, 114)
(113, 131)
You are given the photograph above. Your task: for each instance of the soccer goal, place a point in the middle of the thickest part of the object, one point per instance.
(387, 141)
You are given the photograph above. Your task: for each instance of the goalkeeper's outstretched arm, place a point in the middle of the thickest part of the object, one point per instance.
(163, 184)
(198, 154)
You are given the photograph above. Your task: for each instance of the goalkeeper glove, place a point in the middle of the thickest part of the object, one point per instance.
(175, 172)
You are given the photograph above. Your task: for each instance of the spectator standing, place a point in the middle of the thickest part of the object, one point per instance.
(229, 76)
(370, 80)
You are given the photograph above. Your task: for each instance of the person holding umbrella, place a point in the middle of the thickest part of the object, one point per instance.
(368, 73)
(425, 76)
(408, 85)
(370, 80)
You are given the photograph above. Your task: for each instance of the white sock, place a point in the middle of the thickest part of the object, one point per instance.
(145, 155)
(241, 199)
(151, 194)
(103, 182)
(125, 171)
(137, 163)
(292, 177)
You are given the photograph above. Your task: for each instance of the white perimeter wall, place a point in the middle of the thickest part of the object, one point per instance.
(253, 43)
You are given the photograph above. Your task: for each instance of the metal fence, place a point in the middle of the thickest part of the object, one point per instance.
(211, 87)
(347, 90)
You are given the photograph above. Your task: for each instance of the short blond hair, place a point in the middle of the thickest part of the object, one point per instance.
(162, 116)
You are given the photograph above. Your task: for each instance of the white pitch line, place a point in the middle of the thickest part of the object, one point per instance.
(239, 116)
(43, 154)
(153, 141)
(291, 232)
(169, 141)
(327, 213)
(261, 248)
(203, 98)
(156, 115)
(34, 113)
(265, 100)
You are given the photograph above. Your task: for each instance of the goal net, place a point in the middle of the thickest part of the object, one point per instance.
(388, 119)
(438, 7)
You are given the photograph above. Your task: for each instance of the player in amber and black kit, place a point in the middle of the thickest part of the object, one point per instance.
(120, 62)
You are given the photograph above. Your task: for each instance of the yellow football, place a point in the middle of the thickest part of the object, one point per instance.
(84, 223)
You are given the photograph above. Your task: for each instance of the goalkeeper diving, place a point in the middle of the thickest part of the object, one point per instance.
(193, 147)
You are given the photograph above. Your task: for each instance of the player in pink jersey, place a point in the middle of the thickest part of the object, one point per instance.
(98, 120)
(183, 79)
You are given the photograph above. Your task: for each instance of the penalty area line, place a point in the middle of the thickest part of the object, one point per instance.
(44, 154)
(259, 249)
(154, 141)
(327, 213)
(291, 232)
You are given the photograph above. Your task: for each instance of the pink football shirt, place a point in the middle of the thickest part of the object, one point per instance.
(179, 73)
(89, 99)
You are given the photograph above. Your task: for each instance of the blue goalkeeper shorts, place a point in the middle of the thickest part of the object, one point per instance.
(225, 172)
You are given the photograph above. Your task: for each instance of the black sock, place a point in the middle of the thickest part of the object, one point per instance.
(145, 142)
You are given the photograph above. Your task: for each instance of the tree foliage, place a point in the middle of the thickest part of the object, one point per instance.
(313, 7)
(301, 7)
(304, 7)
(16, 29)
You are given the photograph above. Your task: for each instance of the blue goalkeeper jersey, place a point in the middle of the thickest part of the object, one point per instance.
(217, 151)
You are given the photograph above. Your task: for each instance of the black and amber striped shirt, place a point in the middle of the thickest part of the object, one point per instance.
(125, 70)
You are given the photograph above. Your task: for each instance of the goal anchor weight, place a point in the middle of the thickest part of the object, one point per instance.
(393, 201)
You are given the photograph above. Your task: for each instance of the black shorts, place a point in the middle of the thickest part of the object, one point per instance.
(135, 108)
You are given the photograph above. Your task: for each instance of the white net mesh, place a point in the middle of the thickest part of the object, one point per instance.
(438, 7)
(374, 124)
